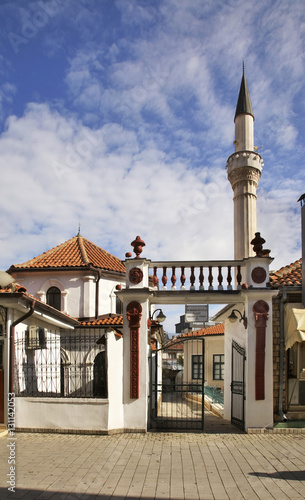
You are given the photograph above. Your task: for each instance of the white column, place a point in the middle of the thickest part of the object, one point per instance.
(89, 290)
(258, 413)
(136, 297)
(244, 170)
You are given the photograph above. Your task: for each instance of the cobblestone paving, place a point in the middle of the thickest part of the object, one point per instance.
(156, 466)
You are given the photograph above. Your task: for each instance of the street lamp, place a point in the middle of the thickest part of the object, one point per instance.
(161, 316)
(232, 318)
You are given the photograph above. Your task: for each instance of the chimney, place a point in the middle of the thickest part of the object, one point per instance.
(302, 200)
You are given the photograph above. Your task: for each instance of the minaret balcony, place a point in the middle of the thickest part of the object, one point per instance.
(244, 159)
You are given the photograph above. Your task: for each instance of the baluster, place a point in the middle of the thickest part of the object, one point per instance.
(164, 278)
(173, 279)
(182, 278)
(229, 278)
(210, 278)
(220, 278)
(192, 278)
(201, 279)
(238, 278)
(155, 278)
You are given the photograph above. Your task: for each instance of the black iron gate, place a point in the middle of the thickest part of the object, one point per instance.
(238, 385)
(176, 399)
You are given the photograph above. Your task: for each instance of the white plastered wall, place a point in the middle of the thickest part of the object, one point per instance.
(78, 289)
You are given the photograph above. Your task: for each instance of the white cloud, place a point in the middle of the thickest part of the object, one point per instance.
(160, 92)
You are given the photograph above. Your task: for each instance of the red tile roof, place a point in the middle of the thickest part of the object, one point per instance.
(18, 291)
(290, 275)
(176, 345)
(218, 329)
(76, 252)
(13, 288)
(105, 320)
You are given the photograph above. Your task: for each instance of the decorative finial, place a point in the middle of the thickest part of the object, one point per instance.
(138, 245)
(78, 234)
(243, 68)
(257, 243)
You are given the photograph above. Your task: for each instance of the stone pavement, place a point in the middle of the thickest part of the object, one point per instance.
(150, 466)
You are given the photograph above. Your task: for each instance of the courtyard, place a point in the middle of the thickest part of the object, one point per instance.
(219, 464)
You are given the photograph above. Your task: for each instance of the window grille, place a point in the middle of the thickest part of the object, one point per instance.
(35, 338)
(66, 364)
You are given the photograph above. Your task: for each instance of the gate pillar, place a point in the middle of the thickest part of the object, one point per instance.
(136, 308)
(255, 336)
(259, 360)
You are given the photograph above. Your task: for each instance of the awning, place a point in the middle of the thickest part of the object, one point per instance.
(294, 324)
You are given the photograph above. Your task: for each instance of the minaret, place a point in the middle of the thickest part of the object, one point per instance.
(244, 168)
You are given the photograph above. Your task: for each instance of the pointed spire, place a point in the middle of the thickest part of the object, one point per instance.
(244, 105)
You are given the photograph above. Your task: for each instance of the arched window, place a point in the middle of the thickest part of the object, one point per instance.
(100, 376)
(54, 297)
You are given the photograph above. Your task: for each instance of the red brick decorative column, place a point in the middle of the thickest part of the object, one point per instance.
(134, 314)
(260, 310)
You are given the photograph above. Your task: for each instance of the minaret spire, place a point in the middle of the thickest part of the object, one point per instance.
(244, 169)
(244, 105)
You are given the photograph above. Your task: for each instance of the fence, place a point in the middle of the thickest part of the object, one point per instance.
(61, 365)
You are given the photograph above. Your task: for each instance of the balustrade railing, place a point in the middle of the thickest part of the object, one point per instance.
(202, 275)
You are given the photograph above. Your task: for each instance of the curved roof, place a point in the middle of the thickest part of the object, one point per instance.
(290, 275)
(77, 252)
(104, 320)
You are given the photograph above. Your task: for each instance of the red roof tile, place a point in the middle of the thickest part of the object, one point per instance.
(15, 290)
(76, 252)
(12, 288)
(105, 320)
(218, 329)
(290, 275)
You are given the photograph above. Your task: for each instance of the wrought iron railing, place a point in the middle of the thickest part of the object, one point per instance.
(214, 394)
(70, 364)
(197, 275)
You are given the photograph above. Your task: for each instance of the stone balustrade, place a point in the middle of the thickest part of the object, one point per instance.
(196, 275)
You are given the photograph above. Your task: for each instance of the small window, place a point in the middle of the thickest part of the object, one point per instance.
(218, 366)
(197, 367)
(35, 338)
(54, 297)
(118, 305)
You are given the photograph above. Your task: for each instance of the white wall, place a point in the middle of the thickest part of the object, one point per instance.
(78, 289)
(115, 380)
(59, 413)
(237, 332)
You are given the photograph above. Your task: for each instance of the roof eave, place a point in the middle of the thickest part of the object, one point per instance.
(39, 306)
(14, 269)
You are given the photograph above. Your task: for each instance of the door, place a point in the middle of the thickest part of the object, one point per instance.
(100, 376)
(177, 386)
(238, 386)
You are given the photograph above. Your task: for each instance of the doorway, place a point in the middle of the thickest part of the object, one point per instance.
(177, 386)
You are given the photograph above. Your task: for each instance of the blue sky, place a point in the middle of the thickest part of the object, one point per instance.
(119, 115)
